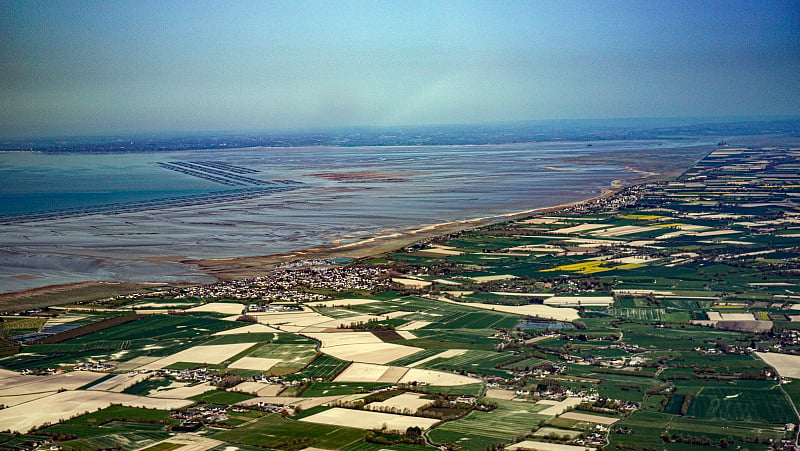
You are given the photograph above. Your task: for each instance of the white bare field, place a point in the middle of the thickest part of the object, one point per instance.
(341, 302)
(580, 300)
(121, 382)
(304, 403)
(440, 251)
(444, 354)
(259, 389)
(361, 347)
(251, 329)
(371, 353)
(437, 377)
(226, 308)
(211, 354)
(411, 283)
(189, 442)
(414, 325)
(254, 363)
(536, 310)
(589, 418)
(496, 393)
(60, 406)
(561, 407)
(582, 228)
(544, 446)
(13, 400)
(18, 384)
(407, 403)
(369, 420)
(183, 392)
(362, 372)
(786, 365)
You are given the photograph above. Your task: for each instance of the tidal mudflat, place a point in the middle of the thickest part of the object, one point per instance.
(76, 216)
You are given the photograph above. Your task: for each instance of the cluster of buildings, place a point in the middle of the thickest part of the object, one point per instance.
(288, 284)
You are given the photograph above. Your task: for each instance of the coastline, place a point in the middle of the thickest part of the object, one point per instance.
(243, 267)
(224, 269)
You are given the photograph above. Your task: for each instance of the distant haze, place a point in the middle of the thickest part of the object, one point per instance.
(100, 67)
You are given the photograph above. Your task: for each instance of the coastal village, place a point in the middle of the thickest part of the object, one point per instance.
(664, 315)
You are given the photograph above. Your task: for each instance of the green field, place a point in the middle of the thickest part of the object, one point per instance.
(478, 430)
(274, 431)
(293, 356)
(737, 404)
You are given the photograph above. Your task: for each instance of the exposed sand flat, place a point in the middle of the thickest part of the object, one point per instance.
(562, 406)
(580, 300)
(341, 302)
(444, 354)
(184, 392)
(437, 377)
(786, 365)
(25, 384)
(407, 403)
(536, 310)
(121, 382)
(251, 329)
(533, 445)
(304, 403)
(254, 363)
(369, 420)
(482, 279)
(212, 354)
(259, 389)
(226, 308)
(68, 404)
(411, 283)
(590, 418)
(189, 442)
(495, 393)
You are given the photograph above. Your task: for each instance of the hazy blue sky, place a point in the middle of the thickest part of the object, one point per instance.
(85, 67)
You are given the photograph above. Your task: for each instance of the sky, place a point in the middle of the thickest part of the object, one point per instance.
(116, 67)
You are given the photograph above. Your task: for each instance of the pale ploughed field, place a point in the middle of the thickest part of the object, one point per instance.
(786, 365)
(369, 420)
(61, 406)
